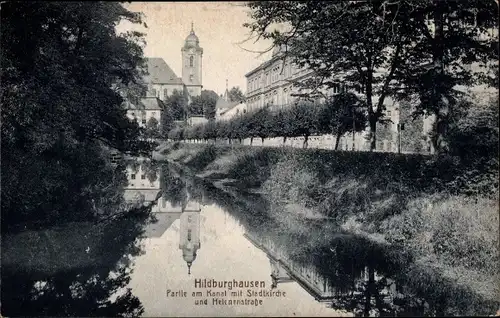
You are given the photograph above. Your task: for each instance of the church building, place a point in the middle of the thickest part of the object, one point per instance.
(162, 81)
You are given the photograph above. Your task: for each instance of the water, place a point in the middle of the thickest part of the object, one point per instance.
(186, 230)
(199, 240)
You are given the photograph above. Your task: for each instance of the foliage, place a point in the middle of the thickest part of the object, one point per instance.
(176, 106)
(82, 279)
(455, 49)
(351, 42)
(152, 128)
(339, 113)
(204, 104)
(474, 134)
(302, 119)
(61, 112)
(356, 48)
(236, 95)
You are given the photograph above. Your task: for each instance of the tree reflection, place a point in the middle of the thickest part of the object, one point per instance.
(79, 281)
(173, 186)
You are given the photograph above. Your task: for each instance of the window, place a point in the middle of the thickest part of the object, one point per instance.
(388, 113)
(336, 88)
(189, 235)
(191, 61)
(143, 177)
(165, 93)
(132, 176)
(153, 91)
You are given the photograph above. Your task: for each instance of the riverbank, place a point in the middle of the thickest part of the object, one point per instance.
(407, 201)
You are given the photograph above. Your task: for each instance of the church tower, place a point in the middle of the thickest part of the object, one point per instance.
(191, 64)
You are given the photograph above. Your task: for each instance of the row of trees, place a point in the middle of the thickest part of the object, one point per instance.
(407, 49)
(338, 115)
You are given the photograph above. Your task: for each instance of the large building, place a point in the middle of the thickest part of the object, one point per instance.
(161, 81)
(272, 84)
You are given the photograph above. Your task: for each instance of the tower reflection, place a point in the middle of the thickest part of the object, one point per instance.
(172, 200)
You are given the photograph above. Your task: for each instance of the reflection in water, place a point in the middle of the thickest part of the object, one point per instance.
(175, 202)
(343, 271)
(123, 267)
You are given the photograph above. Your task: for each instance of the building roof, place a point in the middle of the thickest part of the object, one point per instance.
(192, 38)
(160, 72)
(224, 103)
(151, 103)
(234, 106)
(149, 195)
(165, 220)
(263, 65)
(146, 103)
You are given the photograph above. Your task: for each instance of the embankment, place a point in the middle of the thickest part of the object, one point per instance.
(422, 205)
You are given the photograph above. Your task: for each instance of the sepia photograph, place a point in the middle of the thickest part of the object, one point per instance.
(249, 158)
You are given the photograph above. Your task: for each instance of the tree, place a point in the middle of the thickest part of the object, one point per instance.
(339, 113)
(474, 133)
(152, 128)
(304, 120)
(176, 106)
(236, 95)
(344, 42)
(59, 107)
(262, 124)
(204, 104)
(167, 121)
(383, 47)
(211, 130)
(455, 49)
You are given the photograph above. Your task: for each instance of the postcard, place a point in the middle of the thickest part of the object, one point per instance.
(238, 159)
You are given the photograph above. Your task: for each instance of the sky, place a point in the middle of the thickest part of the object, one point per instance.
(219, 27)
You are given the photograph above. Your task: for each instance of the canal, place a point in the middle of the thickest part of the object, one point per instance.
(195, 249)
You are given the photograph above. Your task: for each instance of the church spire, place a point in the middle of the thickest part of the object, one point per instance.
(226, 93)
(192, 27)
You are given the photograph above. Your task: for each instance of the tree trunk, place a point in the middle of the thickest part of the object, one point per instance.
(251, 141)
(262, 140)
(440, 142)
(306, 138)
(284, 140)
(373, 132)
(337, 141)
(369, 291)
